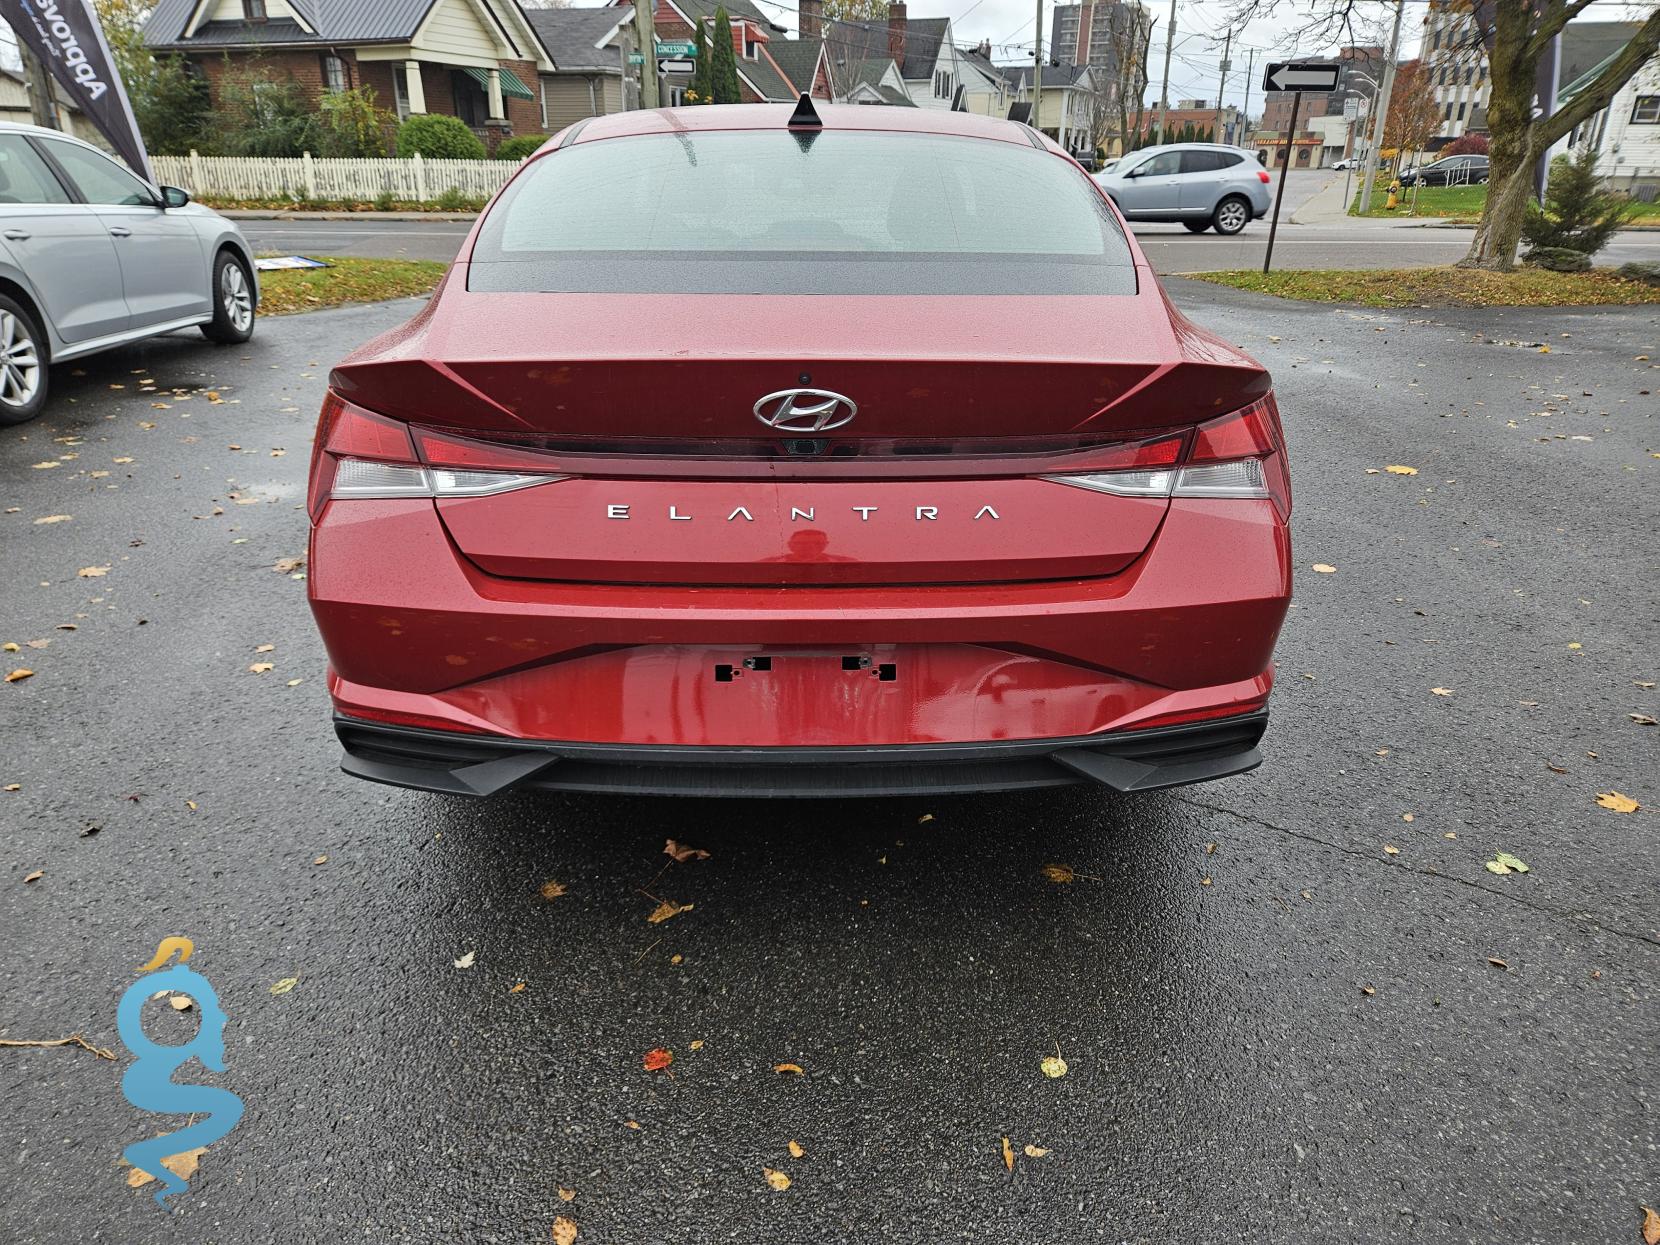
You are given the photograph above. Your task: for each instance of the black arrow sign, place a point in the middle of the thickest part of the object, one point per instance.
(1295, 76)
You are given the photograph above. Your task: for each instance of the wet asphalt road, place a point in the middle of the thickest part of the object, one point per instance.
(1231, 1078)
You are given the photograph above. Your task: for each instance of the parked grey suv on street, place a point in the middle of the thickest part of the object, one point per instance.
(92, 257)
(1201, 185)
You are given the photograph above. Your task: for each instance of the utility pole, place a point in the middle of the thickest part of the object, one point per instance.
(1037, 73)
(645, 35)
(43, 108)
(1250, 76)
(1164, 91)
(1222, 88)
(1382, 110)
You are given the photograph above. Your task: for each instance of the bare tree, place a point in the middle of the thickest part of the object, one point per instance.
(856, 10)
(1125, 79)
(1515, 35)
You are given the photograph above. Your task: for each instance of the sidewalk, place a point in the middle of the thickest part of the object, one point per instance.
(300, 214)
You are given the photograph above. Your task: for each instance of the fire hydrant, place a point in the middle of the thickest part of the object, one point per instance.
(1394, 194)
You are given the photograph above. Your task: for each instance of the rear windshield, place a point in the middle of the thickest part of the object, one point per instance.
(790, 212)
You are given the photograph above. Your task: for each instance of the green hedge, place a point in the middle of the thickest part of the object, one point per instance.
(437, 137)
(520, 146)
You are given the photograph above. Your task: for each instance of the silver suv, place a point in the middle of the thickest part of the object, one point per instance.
(1201, 185)
(93, 257)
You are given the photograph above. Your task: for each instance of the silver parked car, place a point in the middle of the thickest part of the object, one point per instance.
(1201, 185)
(92, 256)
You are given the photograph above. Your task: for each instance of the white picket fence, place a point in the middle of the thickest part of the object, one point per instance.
(243, 177)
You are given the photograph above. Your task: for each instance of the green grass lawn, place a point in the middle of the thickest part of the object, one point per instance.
(348, 281)
(1442, 287)
(1459, 203)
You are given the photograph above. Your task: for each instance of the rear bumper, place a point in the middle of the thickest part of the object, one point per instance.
(479, 765)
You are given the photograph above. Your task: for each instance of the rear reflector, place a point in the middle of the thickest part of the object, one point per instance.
(1263, 174)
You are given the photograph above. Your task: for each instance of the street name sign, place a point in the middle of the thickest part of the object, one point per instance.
(1297, 76)
(676, 49)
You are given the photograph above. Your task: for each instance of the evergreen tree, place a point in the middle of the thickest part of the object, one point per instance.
(1578, 214)
(702, 77)
(723, 62)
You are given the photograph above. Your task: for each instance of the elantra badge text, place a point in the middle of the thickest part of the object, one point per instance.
(805, 410)
(621, 510)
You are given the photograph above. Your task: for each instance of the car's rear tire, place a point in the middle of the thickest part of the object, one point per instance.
(233, 301)
(1196, 226)
(1232, 215)
(23, 372)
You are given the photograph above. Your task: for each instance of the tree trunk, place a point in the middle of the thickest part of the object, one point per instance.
(1511, 153)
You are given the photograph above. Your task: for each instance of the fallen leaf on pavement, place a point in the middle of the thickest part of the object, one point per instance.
(287, 566)
(1510, 862)
(46, 466)
(1034, 1152)
(1059, 873)
(1391, 849)
(1401, 471)
(1641, 719)
(35, 876)
(1497, 963)
(567, 1195)
(285, 985)
(796, 1150)
(1053, 1066)
(518, 988)
(1368, 991)
(264, 648)
(1651, 1225)
(697, 1043)
(794, 1069)
(551, 890)
(181, 1165)
(18, 675)
(657, 1060)
(1008, 1154)
(1619, 803)
(93, 572)
(261, 667)
(1324, 568)
(682, 853)
(466, 961)
(564, 1231)
(12, 786)
(665, 910)
(53, 518)
(1441, 691)
(777, 1179)
(181, 1002)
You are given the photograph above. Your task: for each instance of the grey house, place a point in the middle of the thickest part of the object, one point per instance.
(590, 50)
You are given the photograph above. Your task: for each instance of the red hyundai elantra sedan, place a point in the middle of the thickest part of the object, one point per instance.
(838, 451)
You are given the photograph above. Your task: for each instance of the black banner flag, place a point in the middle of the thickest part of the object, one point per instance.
(65, 34)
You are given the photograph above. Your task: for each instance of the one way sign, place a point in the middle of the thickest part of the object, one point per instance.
(1295, 76)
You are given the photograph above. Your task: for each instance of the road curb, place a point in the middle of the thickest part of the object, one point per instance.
(275, 214)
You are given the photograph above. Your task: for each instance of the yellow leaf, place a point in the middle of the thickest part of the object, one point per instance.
(1008, 1154)
(35, 876)
(12, 786)
(181, 1165)
(1324, 569)
(564, 1231)
(518, 988)
(1401, 471)
(53, 518)
(567, 1195)
(1059, 873)
(1053, 1066)
(11, 646)
(794, 1069)
(261, 667)
(665, 910)
(552, 890)
(777, 1179)
(1441, 691)
(181, 1002)
(796, 1150)
(47, 466)
(466, 960)
(264, 648)
(697, 1043)
(1619, 803)
(1406, 817)
(1034, 1152)
(1575, 647)
(285, 985)
(295, 682)
(18, 675)
(1391, 849)
(93, 572)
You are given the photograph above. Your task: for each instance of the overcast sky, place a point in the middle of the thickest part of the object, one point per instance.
(1197, 54)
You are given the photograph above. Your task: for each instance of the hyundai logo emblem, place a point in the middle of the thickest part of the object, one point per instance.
(805, 410)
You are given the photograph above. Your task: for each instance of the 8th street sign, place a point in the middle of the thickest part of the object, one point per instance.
(1297, 76)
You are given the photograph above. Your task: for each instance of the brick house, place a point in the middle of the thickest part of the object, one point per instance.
(761, 79)
(478, 60)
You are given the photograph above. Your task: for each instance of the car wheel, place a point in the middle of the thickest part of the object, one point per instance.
(1232, 215)
(233, 302)
(1196, 226)
(22, 364)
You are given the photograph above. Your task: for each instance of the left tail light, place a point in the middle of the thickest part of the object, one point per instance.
(1240, 455)
(358, 454)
